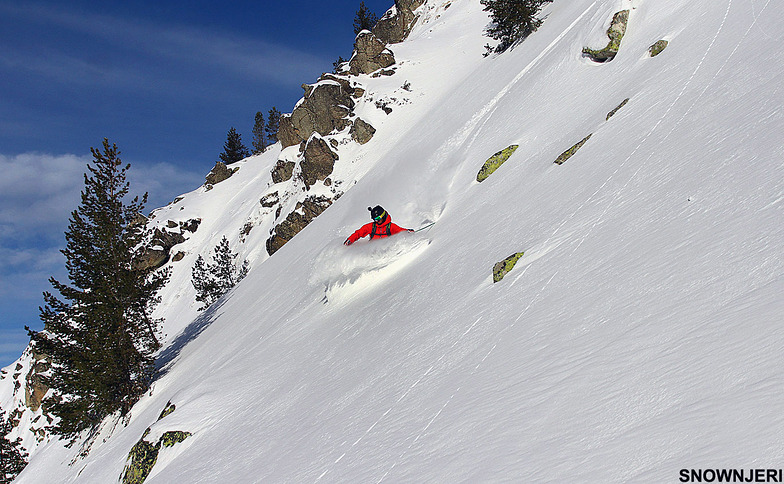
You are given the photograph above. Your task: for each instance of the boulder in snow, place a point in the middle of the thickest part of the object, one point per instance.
(362, 132)
(657, 47)
(218, 173)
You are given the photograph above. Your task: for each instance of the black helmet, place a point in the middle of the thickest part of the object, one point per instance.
(377, 213)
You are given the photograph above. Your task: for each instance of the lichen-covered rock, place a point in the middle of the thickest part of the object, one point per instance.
(658, 47)
(282, 171)
(140, 462)
(318, 161)
(297, 220)
(617, 108)
(500, 269)
(170, 438)
(362, 132)
(144, 455)
(395, 25)
(571, 151)
(167, 410)
(370, 54)
(615, 33)
(218, 173)
(495, 161)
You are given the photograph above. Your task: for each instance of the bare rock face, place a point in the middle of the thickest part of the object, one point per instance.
(370, 54)
(396, 24)
(297, 220)
(324, 108)
(318, 162)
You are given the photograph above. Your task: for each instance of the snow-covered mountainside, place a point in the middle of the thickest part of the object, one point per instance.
(639, 333)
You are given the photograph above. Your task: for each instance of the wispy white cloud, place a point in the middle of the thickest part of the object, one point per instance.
(38, 191)
(178, 47)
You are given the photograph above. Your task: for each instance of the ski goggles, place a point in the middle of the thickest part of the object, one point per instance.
(380, 217)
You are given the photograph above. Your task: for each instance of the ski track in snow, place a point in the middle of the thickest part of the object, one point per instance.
(592, 197)
(471, 126)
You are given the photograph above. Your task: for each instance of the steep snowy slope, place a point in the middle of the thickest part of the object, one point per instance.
(639, 334)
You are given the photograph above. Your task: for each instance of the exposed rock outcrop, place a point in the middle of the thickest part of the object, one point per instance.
(324, 108)
(494, 162)
(318, 162)
(297, 220)
(396, 24)
(370, 54)
(615, 33)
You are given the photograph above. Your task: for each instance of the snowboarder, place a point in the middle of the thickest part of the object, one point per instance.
(381, 226)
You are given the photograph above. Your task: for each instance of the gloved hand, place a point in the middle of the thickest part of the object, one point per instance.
(348, 242)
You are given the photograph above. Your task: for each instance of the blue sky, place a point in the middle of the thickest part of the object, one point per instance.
(164, 80)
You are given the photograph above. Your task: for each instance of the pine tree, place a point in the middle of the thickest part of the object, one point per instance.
(233, 149)
(259, 138)
(213, 280)
(12, 455)
(513, 20)
(364, 19)
(273, 124)
(337, 66)
(100, 335)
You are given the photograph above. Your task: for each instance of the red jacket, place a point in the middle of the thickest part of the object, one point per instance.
(376, 230)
